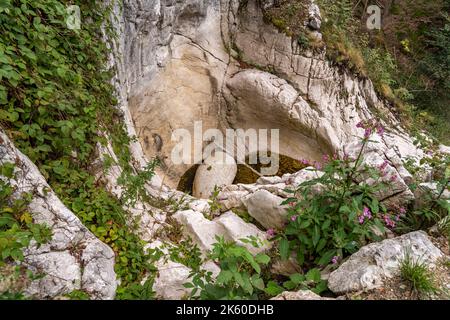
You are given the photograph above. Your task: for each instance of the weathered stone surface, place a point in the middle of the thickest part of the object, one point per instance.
(397, 192)
(266, 208)
(74, 258)
(218, 170)
(228, 225)
(237, 229)
(372, 264)
(193, 77)
(171, 276)
(201, 230)
(299, 295)
(314, 18)
(169, 283)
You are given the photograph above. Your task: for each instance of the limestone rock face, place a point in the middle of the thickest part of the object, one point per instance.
(180, 66)
(170, 280)
(217, 170)
(367, 268)
(228, 225)
(74, 259)
(315, 20)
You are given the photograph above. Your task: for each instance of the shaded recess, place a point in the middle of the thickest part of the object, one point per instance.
(244, 174)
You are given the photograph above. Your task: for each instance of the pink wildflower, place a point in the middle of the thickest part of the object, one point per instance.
(317, 165)
(270, 233)
(383, 165)
(335, 260)
(361, 219)
(293, 218)
(388, 221)
(366, 213)
(367, 133)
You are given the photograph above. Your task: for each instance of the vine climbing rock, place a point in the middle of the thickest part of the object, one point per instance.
(74, 259)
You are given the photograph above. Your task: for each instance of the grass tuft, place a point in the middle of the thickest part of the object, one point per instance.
(417, 275)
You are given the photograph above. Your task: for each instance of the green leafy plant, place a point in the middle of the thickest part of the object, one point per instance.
(137, 291)
(55, 92)
(214, 204)
(17, 231)
(341, 216)
(309, 281)
(78, 295)
(239, 277)
(187, 253)
(433, 209)
(134, 184)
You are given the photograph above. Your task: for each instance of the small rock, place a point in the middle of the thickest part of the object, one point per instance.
(372, 264)
(266, 208)
(203, 231)
(299, 295)
(169, 284)
(315, 20)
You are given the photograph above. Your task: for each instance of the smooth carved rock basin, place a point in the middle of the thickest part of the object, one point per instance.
(210, 70)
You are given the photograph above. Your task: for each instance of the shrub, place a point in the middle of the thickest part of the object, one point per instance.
(342, 216)
(134, 184)
(434, 210)
(309, 281)
(380, 66)
(240, 273)
(57, 103)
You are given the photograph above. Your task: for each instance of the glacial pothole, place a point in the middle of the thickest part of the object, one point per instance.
(246, 173)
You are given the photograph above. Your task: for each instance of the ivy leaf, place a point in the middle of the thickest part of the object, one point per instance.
(289, 285)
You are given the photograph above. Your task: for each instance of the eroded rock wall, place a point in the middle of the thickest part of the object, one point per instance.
(74, 259)
(187, 61)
